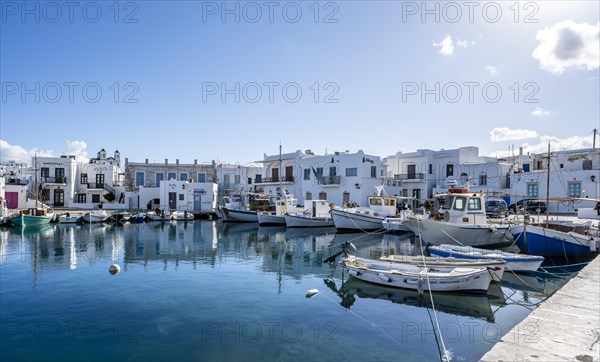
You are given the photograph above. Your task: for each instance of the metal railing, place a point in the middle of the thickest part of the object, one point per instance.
(53, 180)
(329, 180)
(269, 179)
(409, 176)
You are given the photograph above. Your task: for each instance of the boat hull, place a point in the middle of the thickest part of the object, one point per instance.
(30, 220)
(270, 220)
(231, 215)
(354, 221)
(514, 262)
(395, 224)
(438, 232)
(94, 219)
(473, 281)
(537, 240)
(295, 221)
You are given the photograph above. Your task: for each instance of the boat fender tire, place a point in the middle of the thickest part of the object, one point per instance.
(446, 216)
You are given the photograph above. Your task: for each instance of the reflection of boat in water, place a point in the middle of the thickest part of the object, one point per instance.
(42, 229)
(477, 306)
(229, 228)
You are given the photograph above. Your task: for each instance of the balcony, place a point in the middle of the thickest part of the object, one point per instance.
(95, 185)
(329, 180)
(16, 181)
(53, 180)
(266, 180)
(409, 176)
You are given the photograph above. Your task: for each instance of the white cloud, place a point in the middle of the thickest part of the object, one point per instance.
(568, 44)
(491, 69)
(507, 134)
(17, 153)
(556, 144)
(446, 46)
(78, 149)
(539, 112)
(464, 43)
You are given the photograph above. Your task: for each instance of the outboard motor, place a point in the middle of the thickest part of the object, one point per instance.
(347, 249)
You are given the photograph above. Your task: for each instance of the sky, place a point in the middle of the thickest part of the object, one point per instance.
(230, 81)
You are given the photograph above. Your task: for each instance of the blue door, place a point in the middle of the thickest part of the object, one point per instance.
(197, 202)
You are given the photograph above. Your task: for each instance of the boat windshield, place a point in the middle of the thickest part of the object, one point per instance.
(448, 202)
(459, 203)
(474, 203)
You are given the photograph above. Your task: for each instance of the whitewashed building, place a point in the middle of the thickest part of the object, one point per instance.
(143, 180)
(100, 181)
(339, 177)
(573, 173)
(56, 180)
(18, 185)
(236, 179)
(188, 196)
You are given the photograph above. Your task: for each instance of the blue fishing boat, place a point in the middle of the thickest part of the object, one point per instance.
(540, 240)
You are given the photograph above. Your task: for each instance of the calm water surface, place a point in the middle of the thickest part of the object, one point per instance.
(208, 291)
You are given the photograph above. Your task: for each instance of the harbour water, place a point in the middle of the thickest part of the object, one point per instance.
(209, 291)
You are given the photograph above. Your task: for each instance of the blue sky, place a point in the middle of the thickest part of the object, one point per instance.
(164, 68)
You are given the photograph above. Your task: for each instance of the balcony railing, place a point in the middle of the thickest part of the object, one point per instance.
(272, 180)
(95, 185)
(53, 180)
(409, 176)
(329, 180)
(16, 181)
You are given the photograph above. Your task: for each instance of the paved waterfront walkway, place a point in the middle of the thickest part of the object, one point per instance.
(564, 328)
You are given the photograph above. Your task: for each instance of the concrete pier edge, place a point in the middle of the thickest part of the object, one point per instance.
(566, 327)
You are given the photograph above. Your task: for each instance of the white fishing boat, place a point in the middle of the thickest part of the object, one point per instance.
(67, 218)
(365, 218)
(96, 216)
(183, 215)
(399, 275)
(495, 267)
(139, 217)
(514, 262)
(160, 215)
(397, 224)
(460, 220)
(235, 208)
(315, 214)
(285, 204)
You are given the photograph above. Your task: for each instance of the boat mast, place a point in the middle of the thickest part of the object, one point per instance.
(548, 187)
(36, 181)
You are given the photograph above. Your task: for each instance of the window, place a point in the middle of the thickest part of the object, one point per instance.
(319, 171)
(160, 176)
(81, 198)
(236, 179)
(183, 176)
(430, 169)
(139, 180)
(474, 204)
(373, 171)
(346, 198)
(483, 179)
(449, 170)
(574, 189)
(83, 179)
(352, 171)
(249, 180)
(309, 196)
(404, 192)
(587, 164)
(275, 174)
(532, 190)
(181, 197)
(540, 165)
(171, 176)
(375, 201)
(201, 177)
(95, 198)
(226, 179)
(44, 172)
(258, 177)
(332, 171)
(322, 195)
(307, 174)
(459, 203)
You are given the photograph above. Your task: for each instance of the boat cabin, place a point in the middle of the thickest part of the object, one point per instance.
(316, 208)
(383, 204)
(285, 206)
(463, 206)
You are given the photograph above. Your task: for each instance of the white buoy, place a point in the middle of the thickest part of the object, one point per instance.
(311, 293)
(114, 269)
